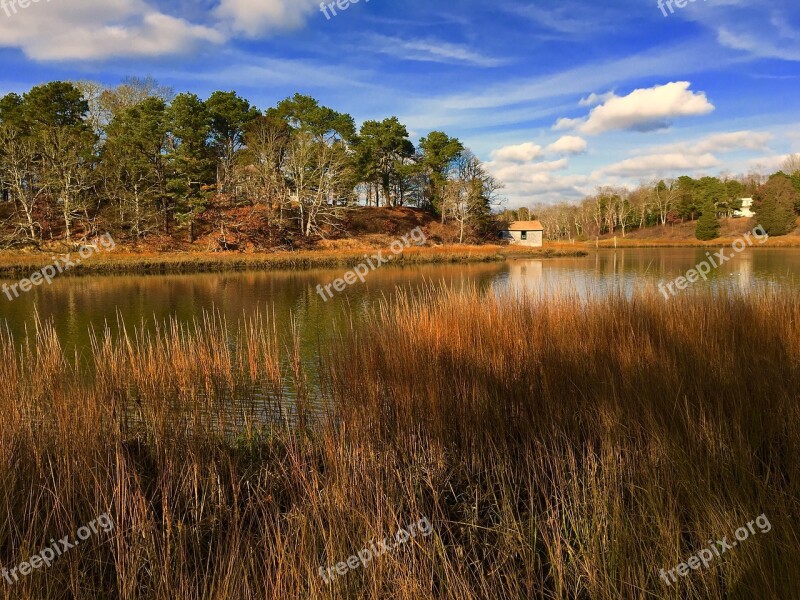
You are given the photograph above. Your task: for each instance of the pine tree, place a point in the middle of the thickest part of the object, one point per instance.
(775, 205)
(707, 224)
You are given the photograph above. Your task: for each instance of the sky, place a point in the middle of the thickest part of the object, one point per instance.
(557, 97)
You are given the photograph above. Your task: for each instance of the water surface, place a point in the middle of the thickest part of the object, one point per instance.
(74, 304)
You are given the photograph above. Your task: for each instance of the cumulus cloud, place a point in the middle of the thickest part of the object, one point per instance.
(546, 187)
(99, 29)
(568, 144)
(518, 153)
(253, 18)
(102, 29)
(527, 178)
(644, 109)
(527, 172)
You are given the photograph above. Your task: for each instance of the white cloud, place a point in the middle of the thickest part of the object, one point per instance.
(568, 144)
(767, 164)
(566, 124)
(255, 17)
(519, 153)
(101, 29)
(546, 187)
(757, 45)
(660, 164)
(432, 51)
(526, 172)
(721, 143)
(527, 180)
(647, 109)
(595, 99)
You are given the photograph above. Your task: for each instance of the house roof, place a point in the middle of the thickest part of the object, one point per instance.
(525, 226)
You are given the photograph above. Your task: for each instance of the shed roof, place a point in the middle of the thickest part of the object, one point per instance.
(525, 226)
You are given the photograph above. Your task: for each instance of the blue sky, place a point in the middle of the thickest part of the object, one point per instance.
(556, 97)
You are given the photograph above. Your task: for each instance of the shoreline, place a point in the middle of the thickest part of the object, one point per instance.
(16, 265)
(621, 244)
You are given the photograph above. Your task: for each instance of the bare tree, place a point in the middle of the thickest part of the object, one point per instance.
(663, 195)
(791, 165)
(19, 175)
(318, 177)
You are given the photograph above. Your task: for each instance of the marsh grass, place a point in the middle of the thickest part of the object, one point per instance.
(562, 448)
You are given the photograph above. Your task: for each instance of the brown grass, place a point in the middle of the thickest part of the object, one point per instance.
(561, 449)
(16, 265)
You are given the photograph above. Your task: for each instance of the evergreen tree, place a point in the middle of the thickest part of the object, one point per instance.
(775, 205)
(708, 224)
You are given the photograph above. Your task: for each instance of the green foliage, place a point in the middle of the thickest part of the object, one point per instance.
(304, 113)
(439, 154)
(708, 225)
(382, 149)
(193, 159)
(55, 104)
(775, 205)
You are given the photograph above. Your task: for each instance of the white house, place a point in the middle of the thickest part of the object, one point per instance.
(524, 233)
(746, 210)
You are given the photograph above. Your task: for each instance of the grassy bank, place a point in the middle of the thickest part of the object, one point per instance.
(559, 449)
(682, 235)
(16, 265)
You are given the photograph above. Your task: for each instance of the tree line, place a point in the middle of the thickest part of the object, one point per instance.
(137, 160)
(664, 202)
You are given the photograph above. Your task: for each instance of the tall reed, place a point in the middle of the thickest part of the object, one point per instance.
(561, 448)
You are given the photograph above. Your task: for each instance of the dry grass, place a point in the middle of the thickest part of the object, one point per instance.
(560, 450)
(15, 265)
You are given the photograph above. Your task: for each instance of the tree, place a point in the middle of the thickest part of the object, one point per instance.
(317, 175)
(131, 92)
(19, 175)
(230, 115)
(469, 197)
(318, 165)
(686, 203)
(192, 158)
(382, 149)
(707, 225)
(791, 166)
(439, 152)
(305, 114)
(266, 145)
(136, 164)
(775, 205)
(54, 116)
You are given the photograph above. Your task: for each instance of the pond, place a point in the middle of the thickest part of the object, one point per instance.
(79, 303)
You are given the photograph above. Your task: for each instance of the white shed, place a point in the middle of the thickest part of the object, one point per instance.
(524, 233)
